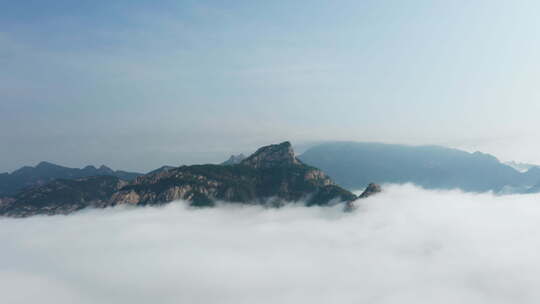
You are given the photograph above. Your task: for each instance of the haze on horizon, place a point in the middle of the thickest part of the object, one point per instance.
(139, 85)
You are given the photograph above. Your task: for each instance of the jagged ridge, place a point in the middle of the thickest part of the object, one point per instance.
(271, 176)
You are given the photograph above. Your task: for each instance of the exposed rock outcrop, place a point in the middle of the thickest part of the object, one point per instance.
(272, 176)
(63, 196)
(272, 156)
(371, 189)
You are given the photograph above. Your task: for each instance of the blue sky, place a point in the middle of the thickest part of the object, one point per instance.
(138, 84)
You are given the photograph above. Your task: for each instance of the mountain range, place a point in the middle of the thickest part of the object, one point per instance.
(272, 176)
(354, 164)
(45, 172)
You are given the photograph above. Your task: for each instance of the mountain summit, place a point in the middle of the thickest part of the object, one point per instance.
(272, 176)
(272, 156)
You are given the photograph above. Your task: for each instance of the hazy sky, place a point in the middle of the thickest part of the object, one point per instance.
(136, 85)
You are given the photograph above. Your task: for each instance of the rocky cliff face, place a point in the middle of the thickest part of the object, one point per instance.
(272, 176)
(272, 156)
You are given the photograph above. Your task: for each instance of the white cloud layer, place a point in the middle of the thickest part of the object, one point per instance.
(405, 245)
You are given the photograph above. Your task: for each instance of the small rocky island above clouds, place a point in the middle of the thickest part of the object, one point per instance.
(272, 176)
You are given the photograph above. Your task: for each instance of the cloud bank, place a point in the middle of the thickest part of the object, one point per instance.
(406, 245)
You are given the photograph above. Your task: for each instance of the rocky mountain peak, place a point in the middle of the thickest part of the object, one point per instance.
(254, 181)
(371, 189)
(279, 155)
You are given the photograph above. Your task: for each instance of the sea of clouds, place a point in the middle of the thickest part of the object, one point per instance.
(406, 245)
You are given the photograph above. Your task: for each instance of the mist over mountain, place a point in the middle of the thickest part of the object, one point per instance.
(201, 102)
(406, 245)
(355, 164)
(56, 189)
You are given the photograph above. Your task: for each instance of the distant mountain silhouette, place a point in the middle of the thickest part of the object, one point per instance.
(45, 172)
(354, 165)
(234, 160)
(521, 167)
